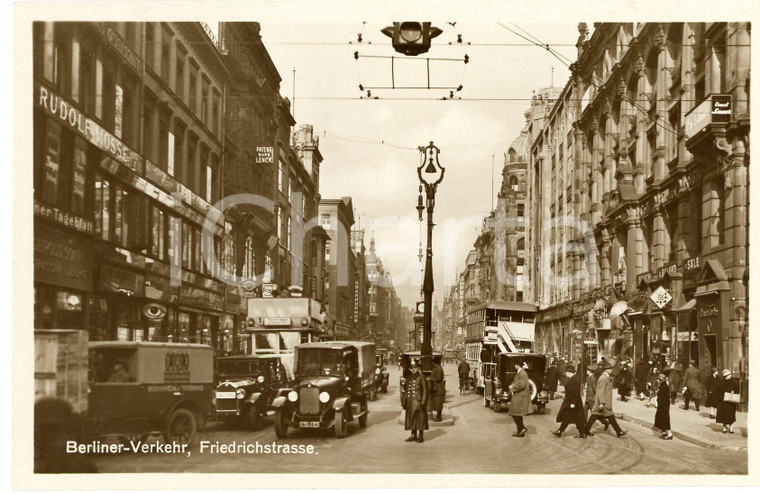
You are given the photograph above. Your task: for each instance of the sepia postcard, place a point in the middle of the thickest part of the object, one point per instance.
(321, 245)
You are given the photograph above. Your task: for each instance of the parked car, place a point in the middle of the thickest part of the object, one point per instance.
(382, 377)
(139, 387)
(246, 385)
(332, 385)
(497, 389)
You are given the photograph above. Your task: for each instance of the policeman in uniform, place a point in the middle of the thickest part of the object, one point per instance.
(414, 401)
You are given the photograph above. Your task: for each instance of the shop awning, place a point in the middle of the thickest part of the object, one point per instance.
(689, 305)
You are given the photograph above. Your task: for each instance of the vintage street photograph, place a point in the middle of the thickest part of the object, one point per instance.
(388, 246)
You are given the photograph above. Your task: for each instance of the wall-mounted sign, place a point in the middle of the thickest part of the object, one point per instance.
(121, 47)
(267, 290)
(61, 259)
(715, 109)
(177, 367)
(264, 155)
(64, 218)
(721, 108)
(661, 297)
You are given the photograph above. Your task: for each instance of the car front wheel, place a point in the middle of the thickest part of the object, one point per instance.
(341, 424)
(181, 427)
(280, 424)
(255, 419)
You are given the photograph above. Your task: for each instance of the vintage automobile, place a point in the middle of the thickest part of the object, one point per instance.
(140, 388)
(406, 359)
(382, 377)
(497, 382)
(332, 385)
(246, 386)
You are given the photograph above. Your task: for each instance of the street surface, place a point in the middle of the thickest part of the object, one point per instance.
(480, 441)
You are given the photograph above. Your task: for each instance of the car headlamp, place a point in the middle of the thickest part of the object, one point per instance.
(292, 396)
(240, 393)
(324, 397)
(260, 379)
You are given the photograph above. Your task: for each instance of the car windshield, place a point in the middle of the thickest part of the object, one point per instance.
(238, 367)
(320, 361)
(112, 365)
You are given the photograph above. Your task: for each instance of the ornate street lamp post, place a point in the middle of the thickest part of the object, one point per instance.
(430, 173)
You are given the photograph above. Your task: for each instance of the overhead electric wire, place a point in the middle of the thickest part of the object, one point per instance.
(550, 50)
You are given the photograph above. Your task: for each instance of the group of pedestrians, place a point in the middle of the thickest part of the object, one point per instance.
(663, 386)
(598, 405)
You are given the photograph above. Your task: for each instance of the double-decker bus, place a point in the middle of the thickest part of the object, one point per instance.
(497, 327)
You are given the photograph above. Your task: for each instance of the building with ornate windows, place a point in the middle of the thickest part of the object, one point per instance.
(638, 184)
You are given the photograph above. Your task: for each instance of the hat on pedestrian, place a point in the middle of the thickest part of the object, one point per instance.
(592, 368)
(604, 365)
(726, 372)
(662, 376)
(714, 370)
(570, 368)
(413, 363)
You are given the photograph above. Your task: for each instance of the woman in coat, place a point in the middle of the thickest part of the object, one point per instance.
(727, 410)
(712, 387)
(662, 416)
(652, 384)
(414, 402)
(691, 382)
(520, 404)
(437, 388)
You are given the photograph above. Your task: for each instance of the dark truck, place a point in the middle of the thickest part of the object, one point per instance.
(332, 385)
(246, 386)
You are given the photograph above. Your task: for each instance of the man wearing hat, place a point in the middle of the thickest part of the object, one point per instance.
(662, 416)
(691, 383)
(591, 382)
(712, 385)
(571, 410)
(414, 402)
(603, 402)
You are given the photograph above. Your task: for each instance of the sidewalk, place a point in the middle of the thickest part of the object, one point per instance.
(690, 426)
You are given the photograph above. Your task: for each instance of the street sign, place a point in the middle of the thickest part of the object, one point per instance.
(661, 297)
(267, 290)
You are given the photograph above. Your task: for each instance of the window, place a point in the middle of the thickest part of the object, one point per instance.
(158, 233)
(192, 89)
(118, 210)
(166, 39)
(126, 119)
(281, 176)
(215, 114)
(177, 170)
(150, 45)
(290, 188)
(287, 236)
(50, 171)
(87, 79)
(179, 75)
(279, 222)
(324, 220)
(102, 207)
(720, 209)
(187, 241)
(61, 60)
(327, 250)
(520, 210)
(204, 101)
(209, 175)
(197, 258)
(164, 144)
(79, 178)
(108, 96)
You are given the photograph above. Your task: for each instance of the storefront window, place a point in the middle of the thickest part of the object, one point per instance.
(197, 260)
(158, 233)
(183, 327)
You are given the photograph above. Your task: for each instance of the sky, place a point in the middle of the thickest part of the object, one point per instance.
(370, 146)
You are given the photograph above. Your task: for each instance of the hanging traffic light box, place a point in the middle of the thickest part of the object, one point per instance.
(411, 38)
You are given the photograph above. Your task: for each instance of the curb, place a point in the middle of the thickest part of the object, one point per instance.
(677, 434)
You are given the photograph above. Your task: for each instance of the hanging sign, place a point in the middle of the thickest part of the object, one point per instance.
(661, 297)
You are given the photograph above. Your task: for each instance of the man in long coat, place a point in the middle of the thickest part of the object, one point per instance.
(624, 382)
(691, 380)
(603, 403)
(712, 385)
(571, 410)
(464, 376)
(414, 401)
(591, 382)
(550, 379)
(675, 377)
(437, 388)
(520, 404)
(641, 373)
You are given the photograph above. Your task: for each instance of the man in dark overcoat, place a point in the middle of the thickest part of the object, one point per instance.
(437, 388)
(603, 402)
(662, 416)
(692, 384)
(464, 376)
(712, 385)
(591, 381)
(571, 410)
(550, 379)
(414, 401)
(641, 373)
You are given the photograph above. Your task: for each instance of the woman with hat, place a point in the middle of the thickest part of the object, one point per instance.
(712, 388)
(520, 405)
(726, 409)
(662, 416)
(571, 410)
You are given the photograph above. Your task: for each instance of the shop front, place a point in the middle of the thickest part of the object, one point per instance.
(62, 278)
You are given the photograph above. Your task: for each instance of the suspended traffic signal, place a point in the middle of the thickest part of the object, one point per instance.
(411, 38)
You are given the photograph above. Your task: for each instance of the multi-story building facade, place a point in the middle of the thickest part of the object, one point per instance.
(649, 142)
(127, 162)
(360, 285)
(336, 217)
